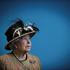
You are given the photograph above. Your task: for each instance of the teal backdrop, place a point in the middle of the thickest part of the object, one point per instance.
(52, 43)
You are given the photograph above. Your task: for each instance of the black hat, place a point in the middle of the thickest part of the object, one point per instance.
(17, 30)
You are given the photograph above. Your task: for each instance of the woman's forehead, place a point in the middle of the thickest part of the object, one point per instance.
(25, 37)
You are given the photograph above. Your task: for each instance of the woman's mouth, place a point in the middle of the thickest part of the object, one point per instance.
(28, 48)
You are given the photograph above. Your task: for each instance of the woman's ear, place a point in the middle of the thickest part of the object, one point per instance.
(13, 46)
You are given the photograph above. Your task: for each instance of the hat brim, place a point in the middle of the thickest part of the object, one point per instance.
(31, 34)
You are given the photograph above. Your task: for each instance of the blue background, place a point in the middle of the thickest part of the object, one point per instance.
(52, 43)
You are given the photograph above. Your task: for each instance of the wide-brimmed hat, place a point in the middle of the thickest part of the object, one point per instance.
(18, 30)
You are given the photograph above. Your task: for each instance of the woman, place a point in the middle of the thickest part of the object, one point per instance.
(19, 41)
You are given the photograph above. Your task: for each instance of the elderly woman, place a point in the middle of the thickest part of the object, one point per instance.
(19, 41)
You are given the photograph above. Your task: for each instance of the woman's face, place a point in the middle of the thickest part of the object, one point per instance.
(24, 44)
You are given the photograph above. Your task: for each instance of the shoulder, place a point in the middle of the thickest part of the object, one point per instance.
(35, 61)
(4, 61)
(5, 57)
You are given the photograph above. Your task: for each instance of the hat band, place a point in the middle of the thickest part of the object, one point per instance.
(22, 35)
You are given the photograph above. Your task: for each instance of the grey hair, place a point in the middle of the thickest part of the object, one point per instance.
(12, 45)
